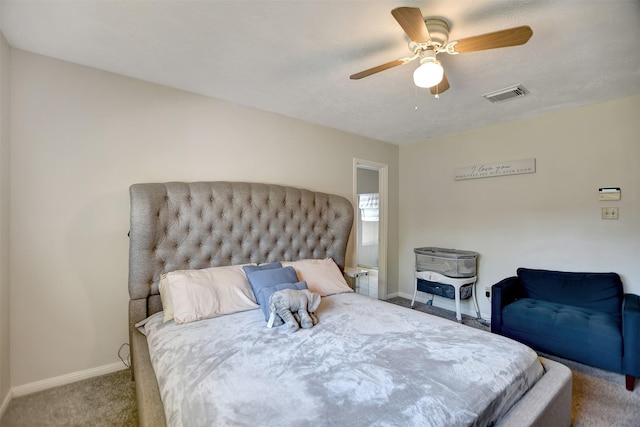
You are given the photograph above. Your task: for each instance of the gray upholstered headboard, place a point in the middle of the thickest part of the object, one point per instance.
(206, 224)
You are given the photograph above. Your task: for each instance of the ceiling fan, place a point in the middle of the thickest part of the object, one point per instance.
(430, 36)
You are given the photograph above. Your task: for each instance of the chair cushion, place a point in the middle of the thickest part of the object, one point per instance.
(592, 291)
(576, 333)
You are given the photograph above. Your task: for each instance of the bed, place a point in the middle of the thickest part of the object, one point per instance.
(366, 362)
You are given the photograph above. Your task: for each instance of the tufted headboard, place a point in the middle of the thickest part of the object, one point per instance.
(197, 225)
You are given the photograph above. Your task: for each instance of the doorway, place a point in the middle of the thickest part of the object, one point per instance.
(370, 202)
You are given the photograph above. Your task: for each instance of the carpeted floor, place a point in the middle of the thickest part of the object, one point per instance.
(599, 397)
(107, 400)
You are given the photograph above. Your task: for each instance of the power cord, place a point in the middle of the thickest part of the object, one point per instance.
(127, 359)
(483, 322)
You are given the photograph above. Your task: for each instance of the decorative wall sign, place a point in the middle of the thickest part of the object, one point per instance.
(488, 170)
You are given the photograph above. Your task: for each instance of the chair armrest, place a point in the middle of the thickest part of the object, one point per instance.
(503, 293)
(631, 334)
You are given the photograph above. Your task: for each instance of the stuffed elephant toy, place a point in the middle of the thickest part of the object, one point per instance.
(295, 308)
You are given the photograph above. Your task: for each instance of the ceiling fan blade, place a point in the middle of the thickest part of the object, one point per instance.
(412, 22)
(374, 70)
(440, 87)
(510, 37)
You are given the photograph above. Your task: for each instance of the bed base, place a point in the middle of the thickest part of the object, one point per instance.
(150, 408)
(547, 403)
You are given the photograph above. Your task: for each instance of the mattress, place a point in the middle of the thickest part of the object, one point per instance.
(366, 363)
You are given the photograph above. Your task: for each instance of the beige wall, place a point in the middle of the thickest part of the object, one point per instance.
(549, 219)
(5, 64)
(79, 138)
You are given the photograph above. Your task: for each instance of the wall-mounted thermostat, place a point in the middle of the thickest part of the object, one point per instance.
(609, 193)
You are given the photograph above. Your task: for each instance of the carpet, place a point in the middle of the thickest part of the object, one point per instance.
(106, 400)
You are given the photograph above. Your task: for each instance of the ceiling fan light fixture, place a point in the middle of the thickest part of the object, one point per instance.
(428, 74)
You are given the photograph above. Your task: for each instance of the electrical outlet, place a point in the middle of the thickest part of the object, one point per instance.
(487, 291)
(609, 213)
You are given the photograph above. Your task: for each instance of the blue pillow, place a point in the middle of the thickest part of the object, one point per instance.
(249, 270)
(265, 293)
(263, 276)
(252, 268)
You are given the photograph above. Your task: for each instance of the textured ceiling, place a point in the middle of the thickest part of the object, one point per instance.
(295, 57)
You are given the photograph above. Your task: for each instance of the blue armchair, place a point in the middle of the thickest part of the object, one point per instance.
(585, 317)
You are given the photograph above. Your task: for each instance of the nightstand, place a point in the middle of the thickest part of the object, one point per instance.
(359, 279)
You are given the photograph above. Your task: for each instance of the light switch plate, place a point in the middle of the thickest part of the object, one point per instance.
(609, 213)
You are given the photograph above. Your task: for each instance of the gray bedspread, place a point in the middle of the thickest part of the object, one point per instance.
(367, 363)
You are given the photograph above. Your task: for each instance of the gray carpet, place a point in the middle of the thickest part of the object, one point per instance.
(107, 400)
(599, 397)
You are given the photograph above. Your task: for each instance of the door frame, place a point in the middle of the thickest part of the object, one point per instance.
(383, 189)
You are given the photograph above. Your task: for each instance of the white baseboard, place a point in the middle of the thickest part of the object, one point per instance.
(5, 403)
(66, 379)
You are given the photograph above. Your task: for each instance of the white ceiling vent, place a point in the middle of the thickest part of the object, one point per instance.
(507, 93)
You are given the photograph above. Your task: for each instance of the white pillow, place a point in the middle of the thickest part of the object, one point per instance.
(323, 276)
(210, 292)
(165, 296)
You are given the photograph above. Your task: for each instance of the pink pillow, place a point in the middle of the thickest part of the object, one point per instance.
(323, 276)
